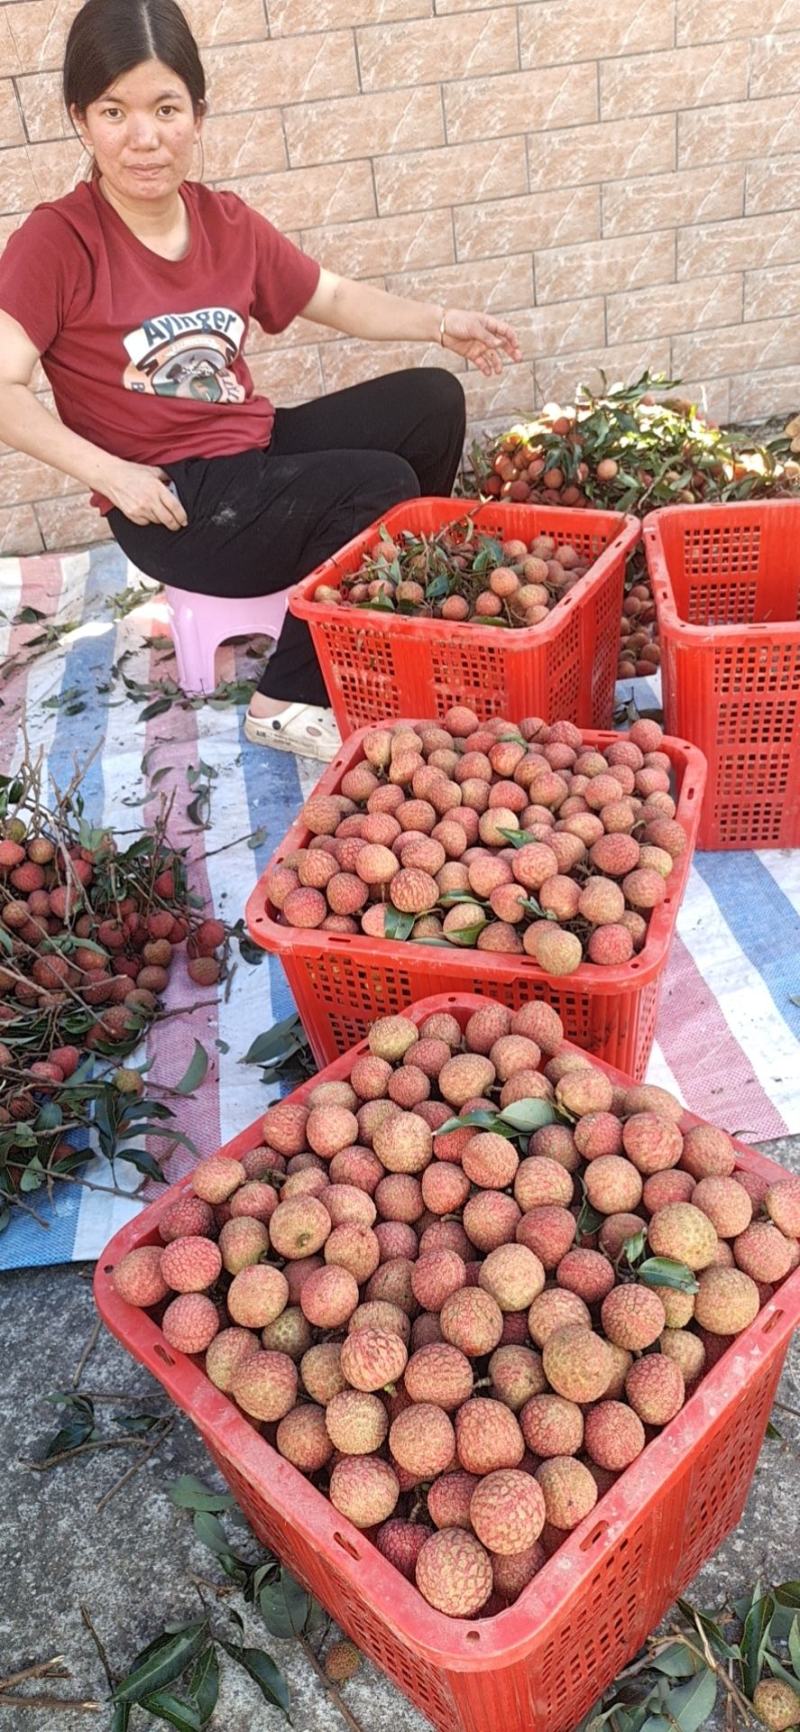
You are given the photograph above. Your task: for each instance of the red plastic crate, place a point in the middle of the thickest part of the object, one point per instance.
(342, 982)
(540, 1665)
(377, 666)
(726, 581)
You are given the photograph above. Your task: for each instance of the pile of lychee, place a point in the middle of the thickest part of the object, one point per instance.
(461, 576)
(502, 837)
(639, 649)
(426, 1286)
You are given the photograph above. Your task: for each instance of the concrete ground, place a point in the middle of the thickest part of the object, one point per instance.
(134, 1562)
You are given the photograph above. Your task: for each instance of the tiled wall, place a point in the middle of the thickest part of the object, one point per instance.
(623, 180)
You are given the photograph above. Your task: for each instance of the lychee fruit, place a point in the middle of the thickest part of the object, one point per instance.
(488, 1436)
(289, 1333)
(577, 1363)
(191, 1264)
(549, 1232)
(507, 1511)
(726, 1204)
(226, 1352)
(216, 1178)
(596, 1134)
(320, 1370)
(401, 1543)
(356, 1421)
(513, 1275)
(615, 1232)
(353, 1247)
(541, 1181)
(303, 1440)
(190, 1323)
(392, 1281)
(490, 1218)
(672, 1185)
(512, 1574)
(449, 1500)
(265, 1385)
(517, 1374)
(708, 1151)
(632, 1317)
(454, 1573)
(422, 1440)
(465, 1075)
(584, 1091)
(371, 1359)
(613, 1185)
(650, 1098)
(379, 1314)
(782, 1203)
(655, 1389)
(652, 1143)
(686, 1349)
(490, 1160)
(242, 1241)
(472, 1320)
(763, 1252)
(552, 1425)
(391, 1036)
(614, 1435)
(365, 1489)
(299, 1227)
(404, 1142)
(138, 1277)
(568, 1489)
(284, 1127)
(436, 1275)
(486, 1026)
(329, 1296)
(727, 1302)
(439, 1373)
(554, 1310)
(257, 1295)
(589, 1274)
(683, 1233)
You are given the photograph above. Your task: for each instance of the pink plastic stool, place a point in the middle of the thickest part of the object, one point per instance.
(200, 623)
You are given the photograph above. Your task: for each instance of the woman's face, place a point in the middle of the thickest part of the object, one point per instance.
(142, 132)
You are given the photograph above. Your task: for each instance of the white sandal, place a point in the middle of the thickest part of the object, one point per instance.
(300, 728)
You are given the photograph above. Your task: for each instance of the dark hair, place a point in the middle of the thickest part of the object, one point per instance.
(110, 37)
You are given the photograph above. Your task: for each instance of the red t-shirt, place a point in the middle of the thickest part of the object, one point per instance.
(144, 354)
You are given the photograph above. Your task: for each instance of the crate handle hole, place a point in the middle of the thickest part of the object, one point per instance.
(347, 1546)
(107, 1268)
(163, 1354)
(595, 1535)
(473, 1635)
(772, 1322)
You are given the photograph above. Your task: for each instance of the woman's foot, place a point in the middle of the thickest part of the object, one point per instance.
(305, 729)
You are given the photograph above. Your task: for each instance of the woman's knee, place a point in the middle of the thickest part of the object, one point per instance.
(442, 394)
(393, 480)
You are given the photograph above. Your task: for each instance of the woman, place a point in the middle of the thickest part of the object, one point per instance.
(136, 290)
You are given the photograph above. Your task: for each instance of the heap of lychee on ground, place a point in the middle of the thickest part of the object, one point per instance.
(462, 575)
(511, 838)
(426, 1287)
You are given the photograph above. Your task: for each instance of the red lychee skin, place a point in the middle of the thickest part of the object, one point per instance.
(512, 1574)
(191, 1322)
(242, 1242)
(302, 1439)
(187, 1215)
(655, 1389)
(680, 1230)
(706, 1151)
(138, 1279)
(488, 1436)
(556, 1309)
(299, 1227)
(329, 1296)
(449, 1499)
(549, 1232)
(616, 1231)
(265, 1385)
(614, 1435)
(191, 1264)
(401, 1542)
(356, 1422)
(439, 1373)
(552, 1425)
(782, 1203)
(763, 1252)
(284, 1127)
(726, 1204)
(507, 1511)
(673, 1185)
(254, 1199)
(472, 1321)
(228, 1350)
(445, 1187)
(378, 1314)
(422, 1440)
(587, 1273)
(399, 1198)
(257, 1295)
(454, 1573)
(364, 1489)
(490, 1161)
(216, 1178)
(513, 1275)
(490, 1219)
(372, 1359)
(598, 1134)
(632, 1317)
(569, 1491)
(651, 1143)
(578, 1364)
(436, 1275)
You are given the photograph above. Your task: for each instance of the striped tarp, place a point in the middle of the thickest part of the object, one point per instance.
(728, 1040)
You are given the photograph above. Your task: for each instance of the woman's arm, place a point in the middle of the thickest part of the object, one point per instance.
(360, 310)
(137, 489)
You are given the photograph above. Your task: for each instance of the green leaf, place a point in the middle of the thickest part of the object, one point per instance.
(692, 1703)
(675, 1661)
(143, 1162)
(397, 924)
(787, 1594)
(162, 1662)
(778, 1670)
(273, 1042)
(665, 1272)
(211, 1533)
(658, 1723)
(466, 936)
(773, 1433)
(190, 1493)
(710, 1629)
(633, 1247)
(195, 1072)
(486, 1120)
(120, 1717)
(755, 1637)
(167, 1707)
(793, 1644)
(156, 709)
(263, 1670)
(70, 1436)
(284, 1605)
(203, 1686)
(529, 1115)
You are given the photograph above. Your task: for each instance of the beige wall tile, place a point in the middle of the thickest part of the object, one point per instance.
(600, 267)
(492, 285)
(348, 362)
(11, 129)
(569, 30)
(308, 196)
(511, 225)
(18, 189)
(510, 393)
(57, 167)
(686, 306)
(288, 17)
(738, 130)
(437, 48)
(288, 376)
(775, 65)
(558, 376)
(226, 20)
(19, 531)
(582, 154)
(573, 324)
(39, 30)
(772, 185)
(766, 344)
(776, 289)
(427, 178)
(292, 69)
(697, 21)
(397, 243)
(247, 143)
(71, 522)
(780, 388)
(389, 120)
(658, 201)
(685, 77)
(43, 107)
(22, 479)
(491, 107)
(757, 240)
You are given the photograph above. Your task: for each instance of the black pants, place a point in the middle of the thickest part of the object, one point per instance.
(261, 520)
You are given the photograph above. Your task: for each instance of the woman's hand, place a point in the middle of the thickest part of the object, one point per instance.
(480, 338)
(141, 492)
